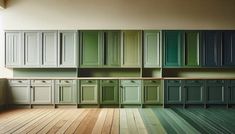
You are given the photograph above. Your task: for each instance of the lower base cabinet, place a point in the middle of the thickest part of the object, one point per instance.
(65, 92)
(173, 92)
(152, 92)
(109, 92)
(215, 92)
(89, 92)
(194, 91)
(231, 92)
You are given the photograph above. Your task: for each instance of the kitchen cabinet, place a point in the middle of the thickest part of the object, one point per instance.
(215, 92)
(42, 91)
(194, 91)
(152, 49)
(89, 92)
(231, 91)
(68, 49)
(14, 48)
(109, 92)
(19, 92)
(152, 92)
(173, 92)
(228, 48)
(65, 92)
(131, 48)
(131, 92)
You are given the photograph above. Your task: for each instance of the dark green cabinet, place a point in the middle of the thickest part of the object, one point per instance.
(173, 92)
(89, 92)
(131, 92)
(131, 48)
(231, 91)
(194, 91)
(152, 92)
(109, 92)
(152, 49)
(215, 92)
(228, 48)
(65, 92)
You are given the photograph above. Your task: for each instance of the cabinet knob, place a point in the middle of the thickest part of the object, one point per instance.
(132, 81)
(20, 81)
(66, 81)
(153, 81)
(110, 81)
(43, 81)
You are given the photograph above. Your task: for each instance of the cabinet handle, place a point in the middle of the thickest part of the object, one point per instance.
(132, 81)
(153, 81)
(110, 81)
(105, 48)
(43, 81)
(61, 40)
(42, 48)
(66, 81)
(20, 81)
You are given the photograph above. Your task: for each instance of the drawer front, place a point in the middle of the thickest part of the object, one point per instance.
(89, 81)
(41, 81)
(109, 81)
(13, 82)
(193, 81)
(173, 81)
(124, 82)
(215, 81)
(152, 81)
(64, 81)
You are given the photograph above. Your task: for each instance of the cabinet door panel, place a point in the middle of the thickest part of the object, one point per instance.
(19, 94)
(41, 95)
(32, 49)
(89, 94)
(65, 94)
(152, 49)
(192, 47)
(14, 49)
(229, 48)
(131, 49)
(152, 94)
(109, 94)
(174, 94)
(232, 94)
(173, 46)
(68, 45)
(194, 94)
(215, 94)
(49, 48)
(131, 94)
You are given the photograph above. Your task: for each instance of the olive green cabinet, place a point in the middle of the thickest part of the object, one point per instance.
(89, 91)
(152, 49)
(131, 48)
(109, 92)
(173, 92)
(14, 48)
(152, 92)
(65, 92)
(42, 91)
(215, 92)
(131, 92)
(19, 92)
(194, 91)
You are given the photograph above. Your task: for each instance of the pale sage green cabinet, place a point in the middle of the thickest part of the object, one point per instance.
(89, 91)
(14, 48)
(131, 48)
(152, 92)
(42, 91)
(65, 92)
(131, 92)
(19, 92)
(68, 49)
(109, 92)
(152, 47)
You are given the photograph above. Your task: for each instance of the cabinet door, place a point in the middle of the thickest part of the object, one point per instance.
(91, 45)
(49, 49)
(194, 94)
(41, 95)
(109, 94)
(111, 48)
(65, 94)
(192, 49)
(131, 49)
(131, 94)
(89, 94)
(68, 48)
(232, 94)
(152, 49)
(215, 94)
(173, 92)
(229, 48)
(173, 46)
(32, 49)
(19, 94)
(14, 48)
(152, 94)
(212, 48)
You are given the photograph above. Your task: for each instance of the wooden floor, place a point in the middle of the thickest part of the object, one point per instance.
(115, 121)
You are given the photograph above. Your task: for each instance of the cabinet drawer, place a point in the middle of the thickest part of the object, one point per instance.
(215, 81)
(124, 82)
(13, 82)
(174, 81)
(152, 81)
(64, 81)
(41, 81)
(89, 81)
(193, 81)
(109, 81)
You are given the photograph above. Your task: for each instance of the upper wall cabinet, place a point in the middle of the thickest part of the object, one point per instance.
(152, 49)
(228, 48)
(131, 48)
(14, 48)
(68, 49)
(172, 48)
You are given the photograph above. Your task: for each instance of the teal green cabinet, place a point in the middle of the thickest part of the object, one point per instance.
(19, 92)
(65, 92)
(172, 48)
(152, 49)
(131, 48)
(194, 91)
(215, 92)
(90, 48)
(89, 92)
(131, 92)
(14, 48)
(173, 92)
(152, 92)
(109, 93)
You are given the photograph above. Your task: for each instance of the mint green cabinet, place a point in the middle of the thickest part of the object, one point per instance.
(152, 49)
(152, 92)
(65, 92)
(14, 48)
(90, 46)
(89, 92)
(109, 93)
(131, 92)
(131, 48)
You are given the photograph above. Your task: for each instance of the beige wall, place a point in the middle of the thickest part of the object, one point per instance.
(115, 14)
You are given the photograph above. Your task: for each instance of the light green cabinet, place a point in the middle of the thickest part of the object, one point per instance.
(152, 92)
(109, 93)
(65, 92)
(152, 49)
(89, 92)
(131, 92)
(131, 48)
